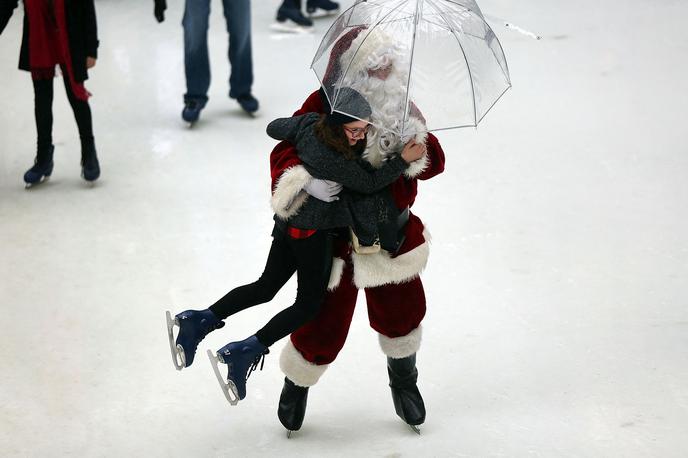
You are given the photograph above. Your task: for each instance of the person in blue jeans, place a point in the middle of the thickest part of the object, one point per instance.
(196, 59)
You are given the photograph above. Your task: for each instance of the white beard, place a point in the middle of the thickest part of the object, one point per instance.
(386, 99)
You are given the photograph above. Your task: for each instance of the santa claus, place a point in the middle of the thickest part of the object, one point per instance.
(377, 67)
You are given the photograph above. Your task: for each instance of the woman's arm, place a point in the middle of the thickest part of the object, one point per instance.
(91, 30)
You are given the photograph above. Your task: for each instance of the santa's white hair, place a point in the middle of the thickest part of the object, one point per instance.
(368, 53)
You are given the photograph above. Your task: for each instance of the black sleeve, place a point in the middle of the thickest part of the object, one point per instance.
(6, 9)
(91, 30)
(353, 176)
(288, 128)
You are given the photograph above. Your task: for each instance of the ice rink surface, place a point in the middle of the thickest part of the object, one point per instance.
(557, 321)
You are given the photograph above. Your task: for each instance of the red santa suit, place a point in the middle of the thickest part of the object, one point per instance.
(393, 288)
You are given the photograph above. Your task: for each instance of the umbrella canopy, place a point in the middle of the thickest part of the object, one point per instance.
(445, 58)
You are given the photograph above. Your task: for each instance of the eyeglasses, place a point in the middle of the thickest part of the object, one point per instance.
(356, 131)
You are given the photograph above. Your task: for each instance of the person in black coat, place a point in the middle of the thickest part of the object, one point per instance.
(64, 33)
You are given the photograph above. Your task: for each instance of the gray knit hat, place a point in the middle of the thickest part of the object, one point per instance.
(350, 106)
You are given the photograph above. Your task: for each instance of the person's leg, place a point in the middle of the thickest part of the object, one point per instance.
(84, 122)
(279, 267)
(238, 17)
(317, 343)
(312, 347)
(196, 60)
(290, 18)
(313, 265)
(43, 112)
(395, 311)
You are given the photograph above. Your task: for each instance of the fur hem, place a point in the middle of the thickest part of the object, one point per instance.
(401, 347)
(288, 195)
(379, 269)
(336, 273)
(297, 369)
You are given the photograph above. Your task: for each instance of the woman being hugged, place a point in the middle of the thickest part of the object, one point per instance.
(64, 33)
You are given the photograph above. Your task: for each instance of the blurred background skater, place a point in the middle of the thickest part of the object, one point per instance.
(290, 18)
(64, 33)
(197, 62)
(321, 8)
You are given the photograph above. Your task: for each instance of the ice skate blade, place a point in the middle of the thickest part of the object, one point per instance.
(415, 429)
(284, 27)
(41, 181)
(177, 352)
(228, 388)
(289, 433)
(322, 14)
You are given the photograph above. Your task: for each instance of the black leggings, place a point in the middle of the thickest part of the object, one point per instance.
(311, 259)
(43, 110)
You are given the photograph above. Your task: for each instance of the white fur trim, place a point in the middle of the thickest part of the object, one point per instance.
(415, 168)
(288, 195)
(336, 273)
(379, 269)
(368, 50)
(401, 347)
(297, 369)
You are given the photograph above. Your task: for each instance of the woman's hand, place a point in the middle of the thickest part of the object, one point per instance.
(90, 62)
(413, 151)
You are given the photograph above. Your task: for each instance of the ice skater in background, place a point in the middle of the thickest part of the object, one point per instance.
(329, 146)
(197, 61)
(64, 33)
(290, 18)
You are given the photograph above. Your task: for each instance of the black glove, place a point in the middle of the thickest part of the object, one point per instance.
(159, 11)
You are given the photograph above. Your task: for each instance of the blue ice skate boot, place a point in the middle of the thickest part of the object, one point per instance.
(42, 167)
(90, 168)
(248, 103)
(291, 19)
(242, 358)
(321, 8)
(194, 325)
(192, 110)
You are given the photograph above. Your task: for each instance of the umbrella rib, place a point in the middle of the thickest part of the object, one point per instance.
(416, 18)
(465, 58)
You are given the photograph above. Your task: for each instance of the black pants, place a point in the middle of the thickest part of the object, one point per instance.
(311, 259)
(43, 110)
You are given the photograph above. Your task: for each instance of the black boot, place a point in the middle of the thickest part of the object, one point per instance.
(90, 169)
(292, 405)
(407, 399)
(42, 167)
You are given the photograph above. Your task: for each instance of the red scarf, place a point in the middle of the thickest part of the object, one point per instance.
(49, 44)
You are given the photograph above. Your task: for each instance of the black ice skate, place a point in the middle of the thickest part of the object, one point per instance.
(292, 406)
(90, 168)
(193, 325)
(42, 167)
(290, 19)
(321, 8)
(192, 110)
(408, 402)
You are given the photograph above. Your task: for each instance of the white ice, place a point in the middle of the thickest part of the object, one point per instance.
(557, 321)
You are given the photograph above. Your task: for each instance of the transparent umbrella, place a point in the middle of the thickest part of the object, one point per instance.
(448, 61)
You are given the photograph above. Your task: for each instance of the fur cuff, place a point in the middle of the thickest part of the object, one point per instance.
(379, 269)
(297, 369)
(401, 347)
(415, 168)
(288, 196)
(336, 273)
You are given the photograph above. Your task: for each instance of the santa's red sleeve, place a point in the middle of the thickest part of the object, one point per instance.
(286, 171)
(435, 154)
